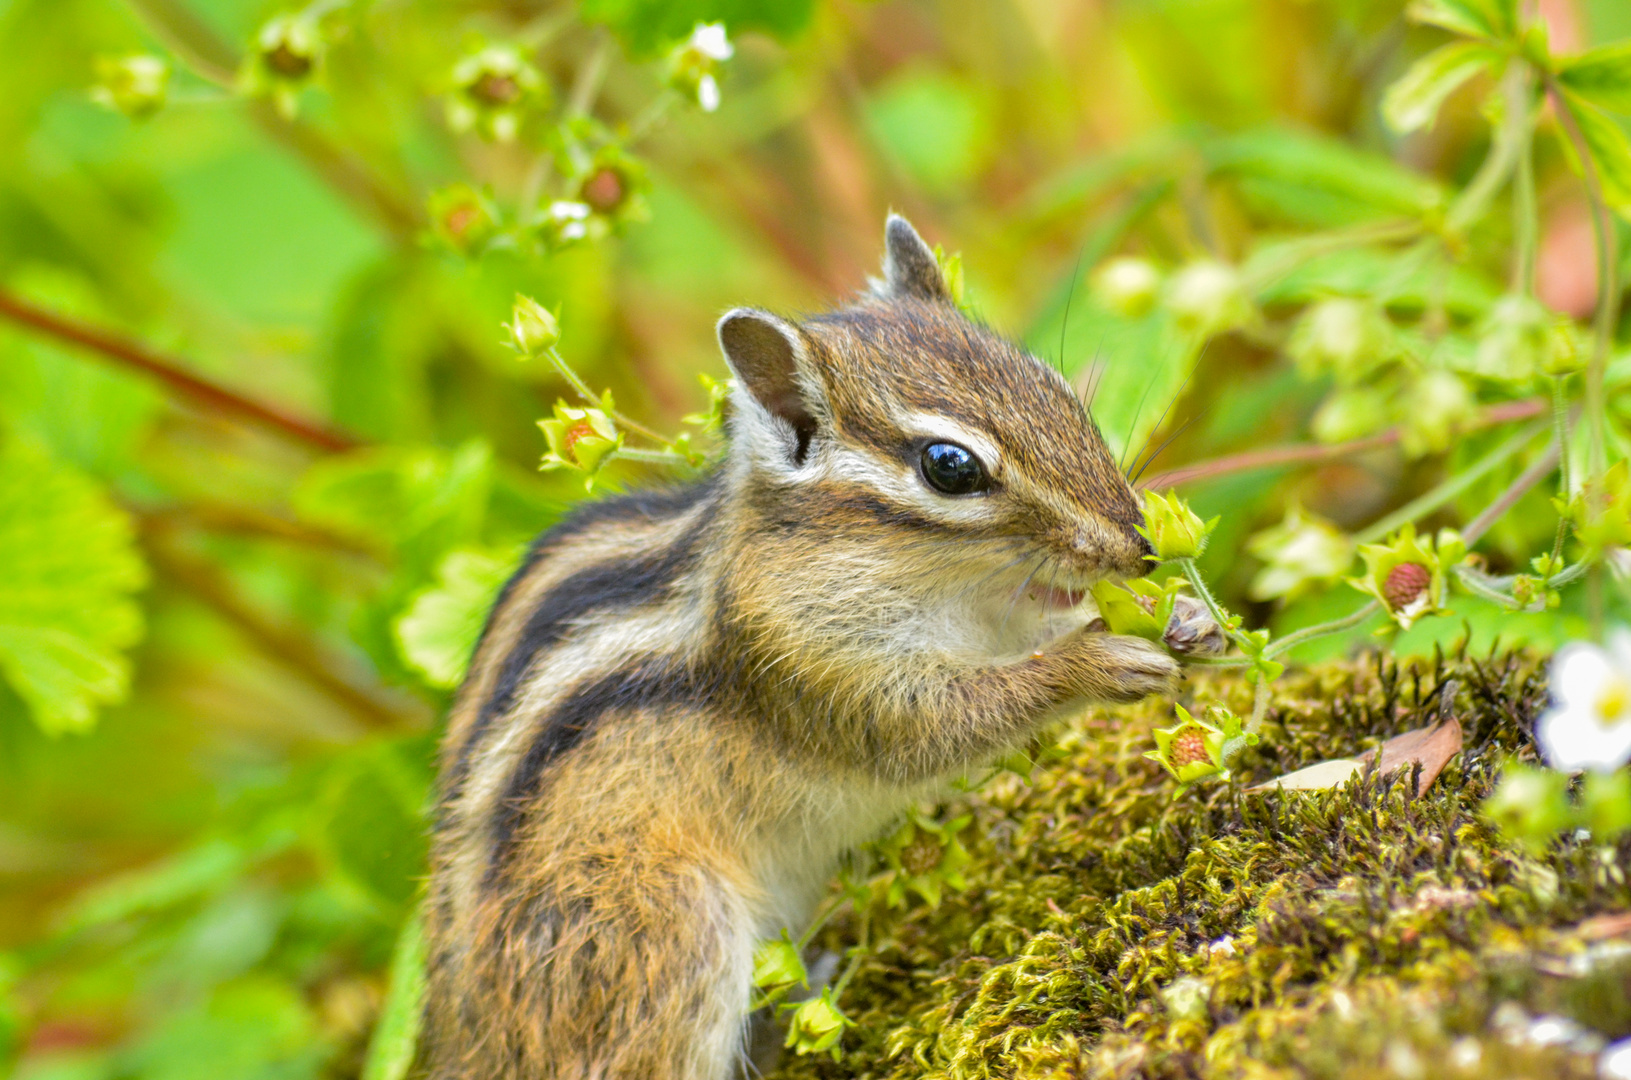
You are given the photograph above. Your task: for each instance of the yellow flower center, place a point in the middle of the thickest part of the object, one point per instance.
(1612, 702)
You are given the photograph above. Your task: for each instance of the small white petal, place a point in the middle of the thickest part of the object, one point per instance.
(574, 230)
(710, 40)
(708, 93)
(1579, 672)
(566, 210)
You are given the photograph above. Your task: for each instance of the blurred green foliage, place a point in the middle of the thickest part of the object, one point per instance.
(224, 644)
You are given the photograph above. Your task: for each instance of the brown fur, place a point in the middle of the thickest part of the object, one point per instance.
(686, 707)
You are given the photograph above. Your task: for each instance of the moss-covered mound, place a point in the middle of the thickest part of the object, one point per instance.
(1113, 928)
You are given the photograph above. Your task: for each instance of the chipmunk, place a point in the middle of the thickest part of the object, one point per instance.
(689, 704)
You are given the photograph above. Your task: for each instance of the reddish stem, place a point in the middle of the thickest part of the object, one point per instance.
(1313, 453)
(122, 350)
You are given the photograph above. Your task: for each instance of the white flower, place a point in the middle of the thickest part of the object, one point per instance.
(1589, 727)
(709, 39)
(708, 93)
(567, 210)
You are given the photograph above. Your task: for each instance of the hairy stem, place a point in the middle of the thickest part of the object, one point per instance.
(1319, 630)
(210, 397)
(581, 388)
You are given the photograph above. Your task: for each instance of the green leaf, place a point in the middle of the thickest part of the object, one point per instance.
(371, 823)
(1610, 152)
(67, 611)
(1413, 102)
(437, 631)
(416, 502)
(1372, 184)
(647, 25)
(1601, 76)
(1490, 19)
(396, 1034)
(252, 1029)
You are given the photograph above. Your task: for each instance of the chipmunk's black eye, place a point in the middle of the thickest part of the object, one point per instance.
(953, 470)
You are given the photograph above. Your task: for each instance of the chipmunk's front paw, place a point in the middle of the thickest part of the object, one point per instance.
(1132, 668)
(1192, 631)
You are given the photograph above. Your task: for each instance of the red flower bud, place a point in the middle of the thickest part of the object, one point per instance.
(1405, 584)
(604, 190)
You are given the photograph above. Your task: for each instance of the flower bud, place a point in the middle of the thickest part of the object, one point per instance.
(693, 66)
(1605, 804)
(925, 857)
(1531, 805)
(818, 1025)
(1127, 286)
(462, 218)
(1196, 749)
(1299, 552)
(580, 439)
(1408, 574)
(1350, 412)
(1172, 528)
(1406, 584)
(1432, 412)
(134, 85)
(285, 56)
(778, 967)
(532, 327)
(492, 91)
(1343, 337)
(1209, 298)
(1521, 336)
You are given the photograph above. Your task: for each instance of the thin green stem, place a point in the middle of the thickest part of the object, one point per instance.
(1497, 166)
(1219, 616)
(1608, 286)
(1479, 585)
(653, 457)
(581, 388)
(1540, 470)
(1319, 630)
(1260, 706)
(1565, 486)
(1525, 212)
(857, 953)
(1449, 489)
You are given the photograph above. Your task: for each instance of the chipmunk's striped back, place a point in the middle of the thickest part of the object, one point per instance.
(688, 703)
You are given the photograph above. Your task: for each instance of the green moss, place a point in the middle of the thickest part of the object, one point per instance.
(1113, 929)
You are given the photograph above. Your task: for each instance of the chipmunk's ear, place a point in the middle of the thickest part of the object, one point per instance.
(909, 266)
(771, 359)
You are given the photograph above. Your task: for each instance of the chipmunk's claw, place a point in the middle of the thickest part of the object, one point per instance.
(1192, 631)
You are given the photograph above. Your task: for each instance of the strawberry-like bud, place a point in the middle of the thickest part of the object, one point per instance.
(1405, 584)
(1188, 748)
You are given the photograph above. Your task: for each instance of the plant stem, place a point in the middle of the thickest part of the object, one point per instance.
(1608, 286)
(1219, 616)
(212, 398)
(1565, 486)
(1540, 470)
(1525, 214)
(581, 388)
(1449, 489)
(1497, 165)
(653, 457)
(1319, 630)
(1315, 453)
